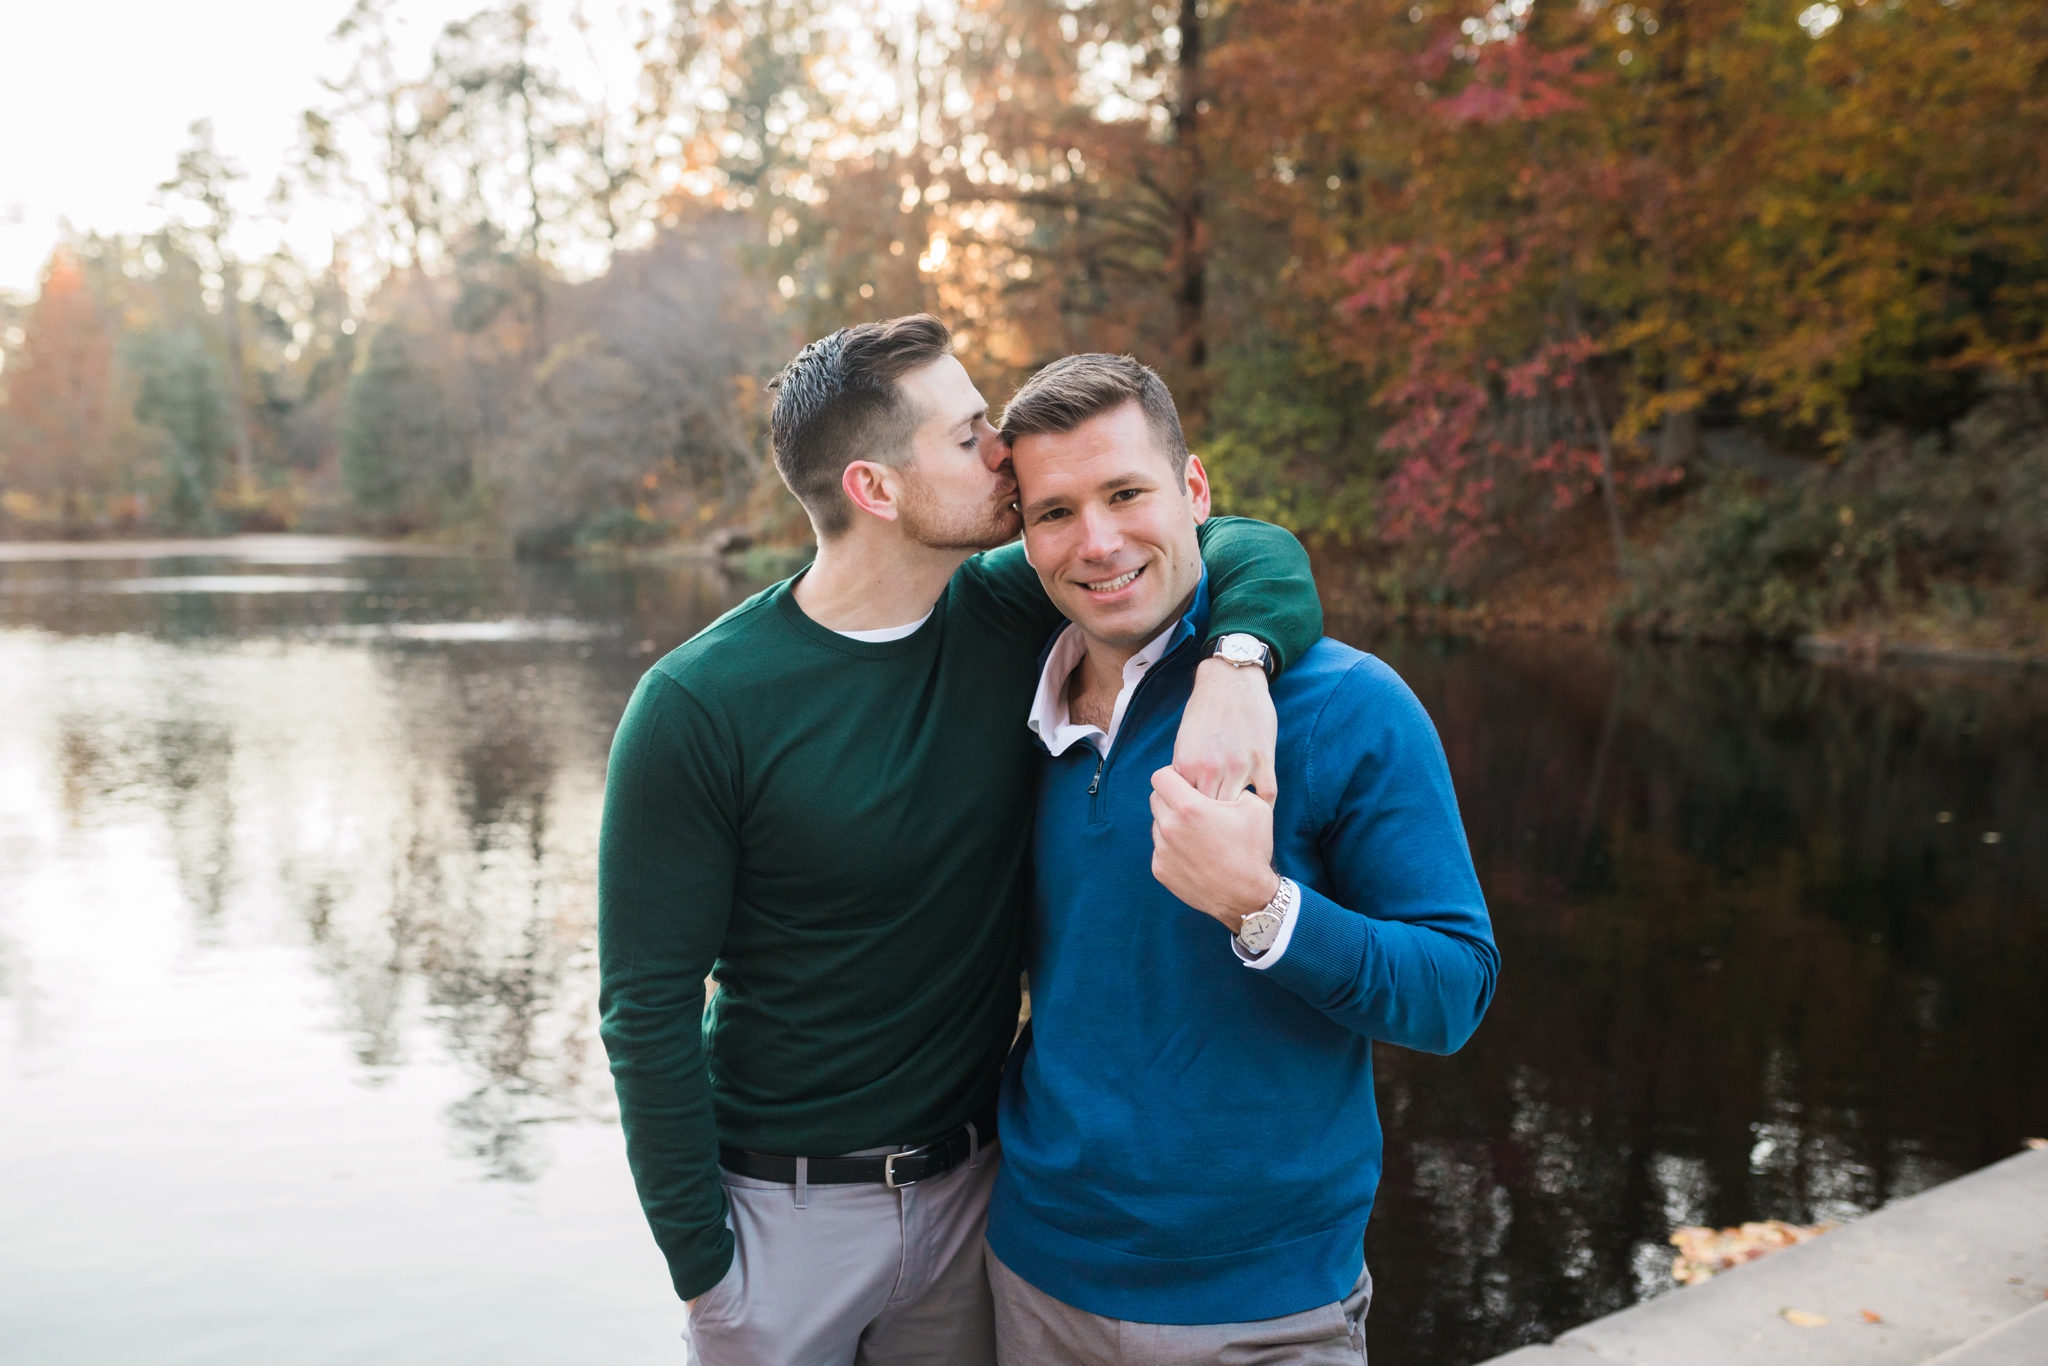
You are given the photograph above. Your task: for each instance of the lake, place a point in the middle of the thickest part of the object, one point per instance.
(298, 1049)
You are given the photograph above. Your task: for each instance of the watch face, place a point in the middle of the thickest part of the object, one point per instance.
(1258, 931)
(1240, 649)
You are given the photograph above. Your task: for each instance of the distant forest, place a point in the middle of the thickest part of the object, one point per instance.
(1747, 297)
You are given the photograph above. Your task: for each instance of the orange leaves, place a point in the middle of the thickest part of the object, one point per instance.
(1702, 1252)
(60, 398)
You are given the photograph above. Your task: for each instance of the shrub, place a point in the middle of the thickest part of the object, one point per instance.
(1895, 525)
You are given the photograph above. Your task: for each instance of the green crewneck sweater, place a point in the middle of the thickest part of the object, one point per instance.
(837, 831)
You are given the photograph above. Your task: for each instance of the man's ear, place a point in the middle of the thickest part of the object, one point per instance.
(871, 487)
(1198, 488)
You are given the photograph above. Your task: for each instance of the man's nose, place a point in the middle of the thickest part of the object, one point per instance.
(995, 453)
(1100, 538)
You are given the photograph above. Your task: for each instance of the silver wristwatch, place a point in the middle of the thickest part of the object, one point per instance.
(1243, 650)
(1262, 926)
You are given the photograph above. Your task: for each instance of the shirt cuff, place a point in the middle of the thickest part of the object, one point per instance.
(1272, 955)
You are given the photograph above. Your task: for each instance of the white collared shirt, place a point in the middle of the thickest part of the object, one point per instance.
(1054, 725)
(1050, 719)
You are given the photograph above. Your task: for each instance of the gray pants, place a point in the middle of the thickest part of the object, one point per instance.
(1034, 1329)
(854, 1276)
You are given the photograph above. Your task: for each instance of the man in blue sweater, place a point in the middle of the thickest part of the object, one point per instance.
(1190, 1140)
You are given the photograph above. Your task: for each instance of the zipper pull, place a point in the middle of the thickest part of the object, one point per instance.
(1096, 781)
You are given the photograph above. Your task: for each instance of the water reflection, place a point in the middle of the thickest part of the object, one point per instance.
(1751, 971)
(1760, 962)
(236, 583)
(384, 805)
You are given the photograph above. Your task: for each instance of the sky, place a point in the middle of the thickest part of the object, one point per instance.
(98, 98)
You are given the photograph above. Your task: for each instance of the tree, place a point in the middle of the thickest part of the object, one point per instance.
(498, 123)
(641, 421)
(394, 115)
(202, 179)
(1543, 232)
(184, 398)
(404, 451)
(61, 397)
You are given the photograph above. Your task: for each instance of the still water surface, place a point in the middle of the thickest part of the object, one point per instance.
(298, 1057)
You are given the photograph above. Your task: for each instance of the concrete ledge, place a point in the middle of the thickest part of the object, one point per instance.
(2016, 1342)
(1954, 1270)
(1547, 1354)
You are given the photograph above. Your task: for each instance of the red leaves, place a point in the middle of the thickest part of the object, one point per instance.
(1516, 80)
(1453, 406)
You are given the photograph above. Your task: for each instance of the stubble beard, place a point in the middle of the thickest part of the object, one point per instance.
(930, 522)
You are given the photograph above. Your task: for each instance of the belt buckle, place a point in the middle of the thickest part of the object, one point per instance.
(889, 1169)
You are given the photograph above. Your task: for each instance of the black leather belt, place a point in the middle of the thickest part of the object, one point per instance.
(894, 1170)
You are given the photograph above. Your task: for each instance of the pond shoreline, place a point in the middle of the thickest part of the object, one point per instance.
(253, 546)
(1867, 648)
(1876, 649)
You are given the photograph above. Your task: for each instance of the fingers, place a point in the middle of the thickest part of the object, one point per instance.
(1265, 782)
(1171, 791)
(1170, 787)
(1228, 778)
(1221, 772)
(1200, 770)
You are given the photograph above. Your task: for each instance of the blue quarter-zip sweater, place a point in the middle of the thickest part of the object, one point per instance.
(1189, 1140)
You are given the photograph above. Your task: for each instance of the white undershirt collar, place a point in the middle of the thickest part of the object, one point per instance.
(882, 635)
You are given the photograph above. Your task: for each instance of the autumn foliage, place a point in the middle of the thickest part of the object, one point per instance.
(1426, 274)
(61, 406)
(1541, 226)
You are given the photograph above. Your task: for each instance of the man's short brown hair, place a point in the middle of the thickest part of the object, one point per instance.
(839, 402)
(1073, 389)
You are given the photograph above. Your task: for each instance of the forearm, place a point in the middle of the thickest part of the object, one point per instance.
(651, 1013)
(1405, 983)
(1261, 584)
(1228, 731)
(652, 1035)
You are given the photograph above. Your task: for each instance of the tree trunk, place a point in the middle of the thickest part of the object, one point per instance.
(238, 402)
(536, 280)
(1607, 491)
(1190, 245)
(1680, 444)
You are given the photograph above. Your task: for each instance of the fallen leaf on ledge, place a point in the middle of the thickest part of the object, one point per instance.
(1799, 1318)
(2037, 1143)
(1872, 1316)
(1704, 1251)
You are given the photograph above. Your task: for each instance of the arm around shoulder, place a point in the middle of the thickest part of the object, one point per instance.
(1010, 590)
(1261, 584)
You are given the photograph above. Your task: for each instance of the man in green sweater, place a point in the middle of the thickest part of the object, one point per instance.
(823, 801)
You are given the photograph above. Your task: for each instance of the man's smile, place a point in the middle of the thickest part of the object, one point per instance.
(1112, 585)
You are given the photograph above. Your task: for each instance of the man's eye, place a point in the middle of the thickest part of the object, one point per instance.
(970, 443)
(1124, 495)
